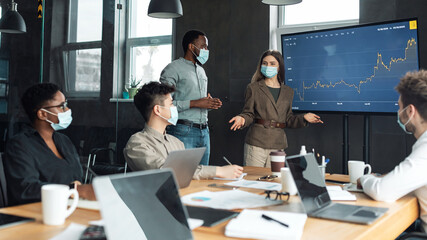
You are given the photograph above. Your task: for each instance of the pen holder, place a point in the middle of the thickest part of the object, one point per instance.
(322, 170)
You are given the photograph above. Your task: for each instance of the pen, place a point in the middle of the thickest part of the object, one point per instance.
(323, 160)
(274, 220)
(225, 159)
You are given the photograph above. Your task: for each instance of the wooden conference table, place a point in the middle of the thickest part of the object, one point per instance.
(400, 215)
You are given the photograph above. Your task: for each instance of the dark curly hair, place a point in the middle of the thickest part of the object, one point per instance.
(36, 96)
(152, 93)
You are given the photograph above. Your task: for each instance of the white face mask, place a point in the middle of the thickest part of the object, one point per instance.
(174, 115)
(403, 126)
(64, 119)
(203, 55)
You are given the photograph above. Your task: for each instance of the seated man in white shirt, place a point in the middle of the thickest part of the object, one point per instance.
(149, 148)
(411, 174)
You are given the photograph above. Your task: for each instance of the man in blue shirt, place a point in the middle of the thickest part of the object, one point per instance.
(191, 97)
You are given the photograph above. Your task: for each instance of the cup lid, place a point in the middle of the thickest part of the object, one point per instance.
(278, 153)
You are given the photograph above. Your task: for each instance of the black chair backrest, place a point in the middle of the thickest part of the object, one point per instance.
(99, 137)
(3, 190)
(122, 139)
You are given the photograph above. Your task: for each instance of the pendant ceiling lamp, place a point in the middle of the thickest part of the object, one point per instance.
(281, 2)
(12, 21)
(165, 9)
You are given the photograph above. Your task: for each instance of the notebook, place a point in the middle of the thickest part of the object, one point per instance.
(142, 205)
(315, 198)
(184, 163)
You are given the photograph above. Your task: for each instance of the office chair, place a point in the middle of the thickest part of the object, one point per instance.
(413, 232)
(3, 190)
(413, 236)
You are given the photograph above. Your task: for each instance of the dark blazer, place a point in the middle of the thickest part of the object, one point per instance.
(260, 104)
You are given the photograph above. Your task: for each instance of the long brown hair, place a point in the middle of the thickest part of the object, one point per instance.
(281, 73)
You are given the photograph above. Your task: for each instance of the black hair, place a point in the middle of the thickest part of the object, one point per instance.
(189, 37)
(152, 93)
(36, 96)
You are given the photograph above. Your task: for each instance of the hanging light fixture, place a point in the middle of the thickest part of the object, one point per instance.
(165, 9)
(12, 21)
(281, 2)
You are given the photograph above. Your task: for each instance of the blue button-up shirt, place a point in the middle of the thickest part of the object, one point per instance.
(191, 83)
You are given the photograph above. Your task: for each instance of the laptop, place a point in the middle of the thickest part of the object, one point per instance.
(142, 205)
(315, 198)
(184, 163)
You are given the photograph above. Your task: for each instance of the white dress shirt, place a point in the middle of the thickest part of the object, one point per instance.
(409, 176)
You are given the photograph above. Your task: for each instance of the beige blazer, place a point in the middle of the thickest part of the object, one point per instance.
(260, 104)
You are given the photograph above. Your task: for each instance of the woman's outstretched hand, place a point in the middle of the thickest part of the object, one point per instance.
(238, 123)
(312, 118)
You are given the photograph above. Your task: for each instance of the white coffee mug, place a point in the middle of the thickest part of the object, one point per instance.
(54, 203)
(356, 169)
(288, 183)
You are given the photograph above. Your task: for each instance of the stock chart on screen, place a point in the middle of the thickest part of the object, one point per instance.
(351, 69)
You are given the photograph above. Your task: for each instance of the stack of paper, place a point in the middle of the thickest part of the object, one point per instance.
(337, 194)
(250, 224)
(256, 184)
(231, 199)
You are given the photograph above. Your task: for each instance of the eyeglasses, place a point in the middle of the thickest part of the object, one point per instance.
(274, 195)
(267, 178)
(63, 106)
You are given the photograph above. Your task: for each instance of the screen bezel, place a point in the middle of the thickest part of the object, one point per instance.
(351, 26)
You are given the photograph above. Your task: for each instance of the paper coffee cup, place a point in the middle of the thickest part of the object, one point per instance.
(277, 159)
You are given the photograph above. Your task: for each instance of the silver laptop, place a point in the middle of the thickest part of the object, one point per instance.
(142, 205)
(315, 198)
(184, 163)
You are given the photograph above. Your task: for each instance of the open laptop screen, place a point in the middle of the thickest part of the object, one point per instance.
(310, 184)
(142, 205)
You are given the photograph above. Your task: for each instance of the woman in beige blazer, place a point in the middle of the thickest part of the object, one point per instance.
(268, 110)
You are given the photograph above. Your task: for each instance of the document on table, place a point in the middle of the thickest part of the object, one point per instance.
(231, 179)
(251, 224)
(337, 194)
(231, 199)
(256, 184)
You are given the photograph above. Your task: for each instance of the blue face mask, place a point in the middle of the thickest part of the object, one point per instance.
(174, 115)
(268, 72)
(64, 119)
(403, 126)
(203, 55)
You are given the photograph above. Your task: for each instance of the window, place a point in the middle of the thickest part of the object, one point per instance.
(82, 54)
(315, 11)
(148, 45)
(312, 15)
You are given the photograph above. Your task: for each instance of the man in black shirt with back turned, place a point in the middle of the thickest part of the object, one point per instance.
(39, 155)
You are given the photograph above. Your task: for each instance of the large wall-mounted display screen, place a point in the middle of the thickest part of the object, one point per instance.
(350, 69)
